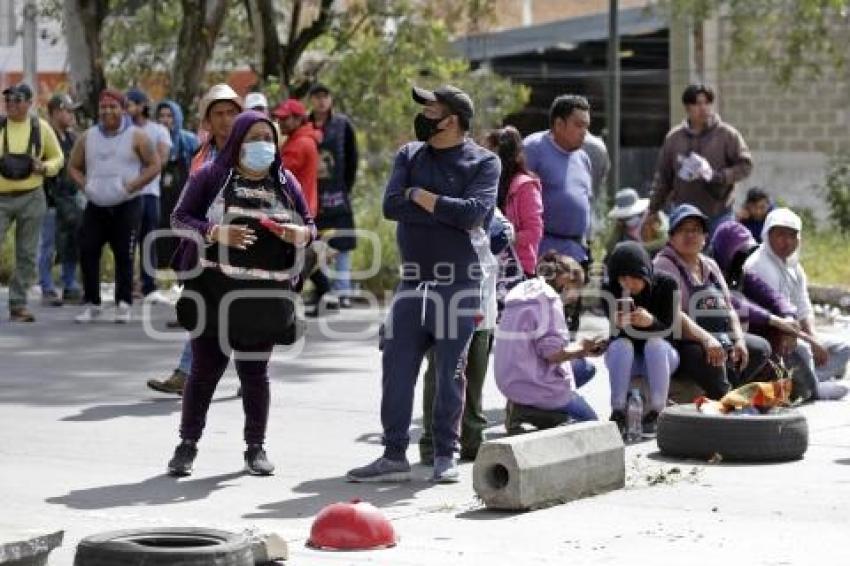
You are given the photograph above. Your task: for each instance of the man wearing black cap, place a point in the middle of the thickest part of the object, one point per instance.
(138, 108)
(442, 192)
(64, 213)
(29, 152)
(337, 173)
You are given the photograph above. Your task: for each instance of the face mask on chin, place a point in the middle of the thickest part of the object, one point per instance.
(425, 128)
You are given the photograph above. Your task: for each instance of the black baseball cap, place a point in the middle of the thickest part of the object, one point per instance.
(61, 101)
(319, 88)
(457, 101)
(22, 90)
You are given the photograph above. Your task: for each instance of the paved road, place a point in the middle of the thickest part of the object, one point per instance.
(84, 444)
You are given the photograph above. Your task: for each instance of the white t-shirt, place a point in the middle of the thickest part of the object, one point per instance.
(158, 134)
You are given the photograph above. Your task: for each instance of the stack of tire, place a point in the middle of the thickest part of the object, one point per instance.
(780, 435)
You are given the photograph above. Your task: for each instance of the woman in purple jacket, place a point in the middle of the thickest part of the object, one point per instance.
(251, 218)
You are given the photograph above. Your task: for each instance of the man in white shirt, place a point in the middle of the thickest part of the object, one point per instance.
(777, 262)
(138, 108)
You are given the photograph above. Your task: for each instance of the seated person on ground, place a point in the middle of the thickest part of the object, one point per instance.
(532, 348)
(705, 299)
(757, 206)
(642, 307)
(777, 262)
(630, 223)
(763, 310)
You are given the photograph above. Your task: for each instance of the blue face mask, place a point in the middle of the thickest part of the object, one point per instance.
(258, 155)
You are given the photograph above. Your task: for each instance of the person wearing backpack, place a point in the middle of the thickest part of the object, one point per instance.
(29, 152)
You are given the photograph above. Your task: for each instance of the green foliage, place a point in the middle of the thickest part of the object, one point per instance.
(372, 78)
(791, 39)
(821, 253)
(837, 193)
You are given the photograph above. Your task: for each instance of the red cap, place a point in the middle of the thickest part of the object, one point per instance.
(290, 107)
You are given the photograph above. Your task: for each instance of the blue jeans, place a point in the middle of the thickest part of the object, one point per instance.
(342, 277)
(148, 223)
(579, 410)
(583, 371)
(185, 363)
(46, 254)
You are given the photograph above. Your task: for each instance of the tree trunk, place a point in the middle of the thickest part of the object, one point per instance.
(202, 21)
(83, 20)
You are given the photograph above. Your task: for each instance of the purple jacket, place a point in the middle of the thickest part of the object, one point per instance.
(533, 327)
(205, 185)
(753, 298)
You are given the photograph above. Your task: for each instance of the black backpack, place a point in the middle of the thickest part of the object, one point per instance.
(17, 166)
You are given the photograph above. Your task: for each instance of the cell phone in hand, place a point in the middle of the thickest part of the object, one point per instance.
(600, 345)
(625, 305)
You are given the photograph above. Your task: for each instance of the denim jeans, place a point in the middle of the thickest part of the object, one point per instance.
(148, 222)
(185, 363)
(342, 277)
(46, 254)
(579, 410)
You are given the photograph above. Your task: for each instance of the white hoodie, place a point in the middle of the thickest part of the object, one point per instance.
(788, 276)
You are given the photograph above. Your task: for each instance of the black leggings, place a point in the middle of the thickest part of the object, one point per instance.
(716, 381)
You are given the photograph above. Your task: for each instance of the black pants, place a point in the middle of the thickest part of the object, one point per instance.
(117, 226)
(716, 381)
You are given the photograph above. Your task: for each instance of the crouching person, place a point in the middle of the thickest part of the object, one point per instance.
(532, 349)
(644, 314)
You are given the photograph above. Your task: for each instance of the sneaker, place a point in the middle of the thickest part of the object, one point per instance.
(256, 462)
(381, 470)
(650, 424)
(90, 314)
(184, 455)
(345, 302)
(445, 470)
(329, 303)
(21, 314)
(831, 391)
(619, 417)
(174, 384)
(123, 314)
(51, 299)
(469, 453)
(72, 296)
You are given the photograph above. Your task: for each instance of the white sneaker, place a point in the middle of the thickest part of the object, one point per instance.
(90, 314)
(122, 313)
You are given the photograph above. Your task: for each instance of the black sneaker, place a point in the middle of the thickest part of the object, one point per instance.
(650, 424)
(619, 417)
(184, 455)
(345, 302)
(256, 462)
(51, 299)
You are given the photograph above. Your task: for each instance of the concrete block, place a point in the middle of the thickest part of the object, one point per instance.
(550, 466)
(267, 547)
(21, 547)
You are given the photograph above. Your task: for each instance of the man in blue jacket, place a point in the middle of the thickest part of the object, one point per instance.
(442, 192)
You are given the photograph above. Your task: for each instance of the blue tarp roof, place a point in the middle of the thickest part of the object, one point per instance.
(563, 33)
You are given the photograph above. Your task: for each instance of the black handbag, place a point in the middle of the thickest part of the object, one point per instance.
(17, 166)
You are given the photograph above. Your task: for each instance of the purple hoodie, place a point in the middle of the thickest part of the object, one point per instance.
(204, 186)
(753, 298)
(533, 327)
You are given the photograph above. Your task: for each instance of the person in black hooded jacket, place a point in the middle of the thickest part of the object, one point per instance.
(643, 326)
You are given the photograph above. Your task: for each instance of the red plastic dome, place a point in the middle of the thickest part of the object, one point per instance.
(351, 526)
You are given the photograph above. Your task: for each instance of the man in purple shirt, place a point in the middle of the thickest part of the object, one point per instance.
(565, 171)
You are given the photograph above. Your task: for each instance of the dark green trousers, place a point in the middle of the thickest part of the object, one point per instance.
(473, 422)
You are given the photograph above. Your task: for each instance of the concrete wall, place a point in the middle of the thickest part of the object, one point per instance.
(509, 13)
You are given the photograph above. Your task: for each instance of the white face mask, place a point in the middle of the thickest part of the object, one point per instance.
(258, 155)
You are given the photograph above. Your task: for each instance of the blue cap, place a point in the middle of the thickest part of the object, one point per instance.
(137, 96)
(682, 213)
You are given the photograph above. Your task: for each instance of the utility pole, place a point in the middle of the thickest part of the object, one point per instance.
(614, 97)
(30, 47)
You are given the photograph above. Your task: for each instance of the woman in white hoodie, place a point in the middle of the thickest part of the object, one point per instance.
(777, 262)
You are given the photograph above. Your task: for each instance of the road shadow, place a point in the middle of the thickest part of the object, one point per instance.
(484, 514)
(147, 408)
(659, 457)
(158, 490)
(322, 492)
(843, 461)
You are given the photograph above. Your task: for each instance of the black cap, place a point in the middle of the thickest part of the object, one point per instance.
(21, 89)
(319, 88)
(455, 99)
(61, 101)
(682, 213)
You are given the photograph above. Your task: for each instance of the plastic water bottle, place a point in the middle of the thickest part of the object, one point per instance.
(634, 417)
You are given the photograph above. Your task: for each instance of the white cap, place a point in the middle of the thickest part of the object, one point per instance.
(782, 217)
(221, 91)
(255, 99)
